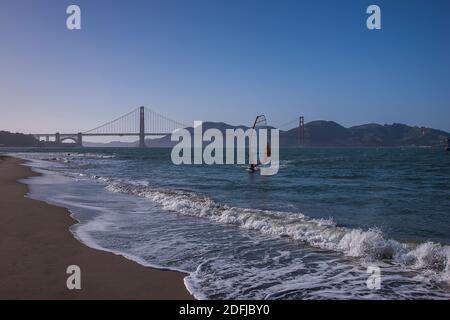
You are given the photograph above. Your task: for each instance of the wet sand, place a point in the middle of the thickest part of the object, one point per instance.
(36, 247)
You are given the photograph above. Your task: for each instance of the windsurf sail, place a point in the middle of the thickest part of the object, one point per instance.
(259, 123)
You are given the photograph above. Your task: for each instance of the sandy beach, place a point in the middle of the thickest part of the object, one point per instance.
(36, 247)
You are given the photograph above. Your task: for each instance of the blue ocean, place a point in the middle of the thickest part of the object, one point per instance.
(313, 231)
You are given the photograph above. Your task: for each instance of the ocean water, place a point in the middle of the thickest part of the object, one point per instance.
(310, 232)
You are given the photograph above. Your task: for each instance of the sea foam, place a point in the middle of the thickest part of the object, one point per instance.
(371, 245)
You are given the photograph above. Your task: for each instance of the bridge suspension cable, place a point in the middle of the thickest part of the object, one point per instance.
(288, 124)
(157, 123)
(112, 126)
(129, 124)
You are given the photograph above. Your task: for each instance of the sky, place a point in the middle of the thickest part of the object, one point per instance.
(217, 60)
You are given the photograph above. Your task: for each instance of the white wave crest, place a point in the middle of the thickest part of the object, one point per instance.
(325, 234)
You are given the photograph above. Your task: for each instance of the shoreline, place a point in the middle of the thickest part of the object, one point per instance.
(37, 246)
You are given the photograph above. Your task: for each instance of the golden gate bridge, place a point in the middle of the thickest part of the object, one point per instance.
(140, 122)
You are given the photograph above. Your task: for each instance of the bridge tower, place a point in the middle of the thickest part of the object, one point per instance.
(80, 139)
(301, 130)
(57, 138)
(142, 128)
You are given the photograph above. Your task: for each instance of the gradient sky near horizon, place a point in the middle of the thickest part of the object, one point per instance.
(223, 61)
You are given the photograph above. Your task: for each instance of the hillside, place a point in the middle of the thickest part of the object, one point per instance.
(9, 139)
(328, 133)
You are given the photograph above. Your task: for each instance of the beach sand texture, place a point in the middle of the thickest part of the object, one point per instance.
(36, 247)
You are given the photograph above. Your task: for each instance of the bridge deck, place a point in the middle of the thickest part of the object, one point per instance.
(99, 134)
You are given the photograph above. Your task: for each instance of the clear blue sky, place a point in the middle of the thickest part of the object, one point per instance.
(223, 61)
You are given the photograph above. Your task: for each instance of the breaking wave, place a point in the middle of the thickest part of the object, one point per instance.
(431, 259)
(64, 157)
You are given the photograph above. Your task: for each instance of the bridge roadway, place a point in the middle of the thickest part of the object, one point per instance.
(78, 137)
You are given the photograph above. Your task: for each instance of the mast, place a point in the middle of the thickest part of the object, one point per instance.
(260, 120)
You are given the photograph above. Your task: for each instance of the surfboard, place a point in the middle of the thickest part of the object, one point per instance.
(252, 170)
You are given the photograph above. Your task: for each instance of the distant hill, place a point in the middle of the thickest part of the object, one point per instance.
(165, 141)
(9, 139)
(328, 133)
(319, 133)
